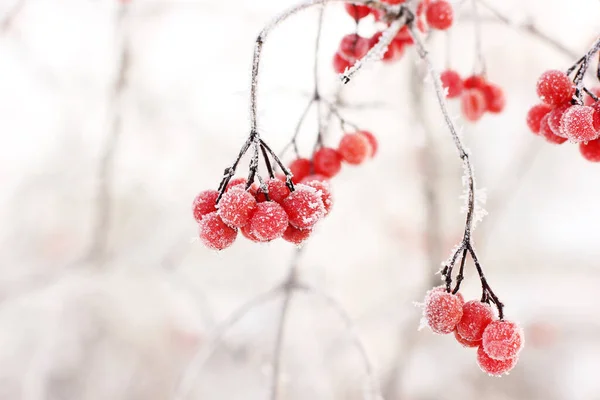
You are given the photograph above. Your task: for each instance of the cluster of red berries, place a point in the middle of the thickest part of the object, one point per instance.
(498, 342)
(436, 14)
(477, 94)
(561, 117)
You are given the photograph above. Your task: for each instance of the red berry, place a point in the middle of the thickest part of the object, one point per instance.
(548, 133)
(357, 11)
(340, 64)
(327, 162)
(588, 100)
(554, 88)
(304, 207)
(494, 98)
(353, 47)
(300, 168)
(473, 104)
(494, 367)
(442, 311)
(404, 35)
(578, 124)
(276, 189)
(502, 340)
(268, 222)
(236, 207)
(475, 82)
(324, 190)
(596, 107)
(204, 203)
(235, 182)
(395, 50)
(476, 317)
(535, 115)
(245, 230)
(314, 177)
(554, 118)
(466, 343)
(590, 150)
(354, 148)
(372, 141)
(440, 14)
(452, 82)
(295, 235)
(442, 289)
(214, 233)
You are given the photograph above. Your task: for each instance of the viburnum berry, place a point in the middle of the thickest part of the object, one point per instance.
(439, 14)
(452, 82)
(295, 235)
(357, 11)
(276, 189)
(475, 318)
(353, 47)
(554, 87)
(324, 190)
(236, 207)
(340, 64)
(245, 230)
(578, 124)
(442, 311)
(473, 104)
(475, 82)
(235, 182)
(502, 340)
(442, 289)
(268, 222)
(214, 233)
(300, 168)
(590, 150)
(304, 207)
(494, 98)
(327, 162)
(535, 115)
(555, 117)
(466, 343)
(354, 148)
(372, 141)
(548, 133)
(494, 367)
(314, 177)
(205, 203)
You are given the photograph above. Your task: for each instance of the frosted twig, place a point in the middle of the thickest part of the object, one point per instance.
(478, 40)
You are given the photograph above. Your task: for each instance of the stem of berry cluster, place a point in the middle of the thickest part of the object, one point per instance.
(583, 64)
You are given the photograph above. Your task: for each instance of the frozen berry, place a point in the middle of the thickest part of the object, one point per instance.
(590, 150)
(442, 289)
(340, 64)
(300, 168)
(502, 340)
(204, 203)
(276, 189)
(476, 317)
(473, 104)
(323, 189)
(452, 82)
(548, 133)
(304, 207)
(245, 230)
(268, 222)
(235, 182)
(357, 11)
(554, 88)
(554, 118)
(475, 82)
(578, 123)
(354, 148)
(353, 47)
(494, 98)
(440, 14)
(314, 177)
(466, 343)
(494, 367)
(372, 141)
(327, 162)
(214, 233)
(535, 115)
(236, 207)
(442, 311)
(295, 235)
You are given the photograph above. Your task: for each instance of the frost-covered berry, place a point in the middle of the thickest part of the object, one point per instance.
(268, 222)
(324, 190)
(299, 168)
(314, 177)
(476, 317)
(452, 82)
(578, 124)
(473, 104)
(214, 233)
(235, 182)
(554, 118)
(353, 47)
(357, 11)
(245, 231)
(502, 340)
(354, 148)
(204, 203)
(548, 133)
(276, 189)
(466, 343)
(535, 115)
(236, 207)
(590, 150)
(494, 98)
(295, 235)
(372, 141)
(304, 207)
(494, 367)
(439, 14)
(340, 64)
(327, 162)
(554, 87)
(475, 82)
(442, 311)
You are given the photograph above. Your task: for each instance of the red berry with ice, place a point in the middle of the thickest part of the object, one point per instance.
(442, 311)
(502, 340)
(475, 318)
(295, 235)
(475, 82)
(300, 168)
(473, 104)
(214, 233)
(535, 115)
(268, 222)
(327, 162)
(452, 82)
(324, 190)
(205, 203)
(236, 182)
(578, 124)
(466, 343)
(439, 14)
(555, 88)
(548, 133)
(372, 141)
(357, 11)
(494, 98)
(353, 47)
(276, 189)
(354, 148)
(236, 207)
(494, 367)
(304, 207)
(590, 150)
(555, 117)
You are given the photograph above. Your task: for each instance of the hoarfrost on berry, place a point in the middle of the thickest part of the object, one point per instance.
(304, 207)
(236, 207)
(476, 317)
(268, 222)
(214, 233)
(442, 311)
(577, 123)
(494, 367)
(502, 340)
(204, 203)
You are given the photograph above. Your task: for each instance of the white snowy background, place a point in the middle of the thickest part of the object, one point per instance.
(126, 329)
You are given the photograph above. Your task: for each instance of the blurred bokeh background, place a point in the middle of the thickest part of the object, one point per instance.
(114, 115)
